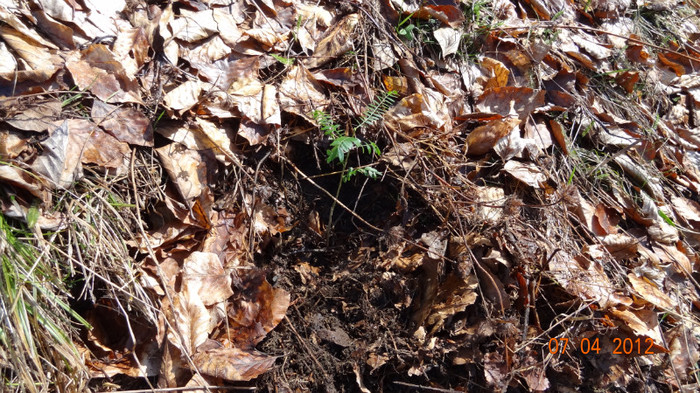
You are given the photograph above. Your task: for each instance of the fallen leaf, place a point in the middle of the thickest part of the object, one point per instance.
(448, 39)
(483, 138)
(233, 364)
(526, 172)
(335, 42)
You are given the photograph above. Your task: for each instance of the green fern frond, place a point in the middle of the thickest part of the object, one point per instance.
(326, 124)
(377, 108)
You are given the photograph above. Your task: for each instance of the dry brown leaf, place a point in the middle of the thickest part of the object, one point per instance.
(621, 246)
(233, 364)
(300, 93)
(13, 144)
(584, 277)
(526, 172)
(34, 54)
(189, 320)
(185, 168)
(483, 138)
(312, 18)
(498, 73)
(495, 370)
(643, 323)
(447, 13)
(683, 345)
(419, 110)
(538, 133)
(14, 177)
(185, 95)
(96, 70)
(256, 309)
(126, 124)
(204, 273)
(335, 42)
(648, 291)
(193, 26)
(59, 33)
(38, 117)
(507, 101)
(205, 135)
(454, 295)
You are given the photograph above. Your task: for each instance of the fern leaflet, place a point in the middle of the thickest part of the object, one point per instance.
(377, 108)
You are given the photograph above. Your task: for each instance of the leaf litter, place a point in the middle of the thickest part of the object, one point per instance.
(538, 184)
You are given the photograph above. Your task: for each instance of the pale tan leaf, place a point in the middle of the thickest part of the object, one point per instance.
(37, 117)
(683, 345)
(642, 322)
(448, 39)
(505, 101)
(184, 96)
(204, 272)
(99, 72)
(36, 55)
(419, 110)
(539, 133)
(193, 26)
(300, 93)
(13, 144)
(7, 59)
(526, 172)
(28, 35)
(311, 18)
(584, 277)
(184, 167)
(205, 135)
(227, 27)
(252, 132)
(59, 33)
(620, 245)
(60, 160)
(487, 198)
(24, 180)
(190, 321)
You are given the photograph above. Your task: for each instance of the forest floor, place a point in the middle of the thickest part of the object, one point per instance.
(355, 196)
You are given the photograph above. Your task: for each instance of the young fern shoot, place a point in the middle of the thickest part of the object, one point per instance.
(342, 145)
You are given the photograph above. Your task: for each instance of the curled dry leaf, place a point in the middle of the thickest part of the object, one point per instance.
(448, 39)
(483, 138)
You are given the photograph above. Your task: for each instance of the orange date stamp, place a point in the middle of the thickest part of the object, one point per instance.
(620, 346)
